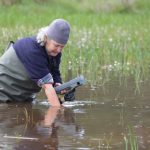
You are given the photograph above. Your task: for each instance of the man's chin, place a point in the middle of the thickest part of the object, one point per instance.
(53, 54)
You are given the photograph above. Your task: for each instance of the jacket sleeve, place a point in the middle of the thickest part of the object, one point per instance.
(55, 68)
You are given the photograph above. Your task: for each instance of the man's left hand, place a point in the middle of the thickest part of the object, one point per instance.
(63, 91)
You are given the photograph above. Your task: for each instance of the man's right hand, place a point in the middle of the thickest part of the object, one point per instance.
(51, 95)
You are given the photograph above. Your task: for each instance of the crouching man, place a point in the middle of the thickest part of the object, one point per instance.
(32, 63)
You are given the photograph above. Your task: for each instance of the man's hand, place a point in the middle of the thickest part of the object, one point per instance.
(63, 91)
(57, 84)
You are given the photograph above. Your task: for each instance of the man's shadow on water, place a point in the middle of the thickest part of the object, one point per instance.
(25, 127)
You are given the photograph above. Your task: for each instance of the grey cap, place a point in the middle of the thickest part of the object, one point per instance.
(59, 31)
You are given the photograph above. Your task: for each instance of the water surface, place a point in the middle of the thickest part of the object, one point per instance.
(98, 119)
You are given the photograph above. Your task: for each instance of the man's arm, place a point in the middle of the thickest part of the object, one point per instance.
(51, 95)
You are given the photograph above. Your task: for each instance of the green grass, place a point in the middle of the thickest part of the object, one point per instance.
(108, 39)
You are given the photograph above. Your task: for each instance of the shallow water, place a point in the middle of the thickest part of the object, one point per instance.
(98, 119)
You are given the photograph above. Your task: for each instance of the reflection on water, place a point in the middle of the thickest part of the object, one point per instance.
(98, 119)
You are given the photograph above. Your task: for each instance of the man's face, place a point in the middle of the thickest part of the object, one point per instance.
(53, 48)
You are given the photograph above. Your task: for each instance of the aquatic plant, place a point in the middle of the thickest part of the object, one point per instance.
(131, 142)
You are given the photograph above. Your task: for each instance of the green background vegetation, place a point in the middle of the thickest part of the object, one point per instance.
(109, 39)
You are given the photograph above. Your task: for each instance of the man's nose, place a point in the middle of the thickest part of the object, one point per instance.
(59, 49)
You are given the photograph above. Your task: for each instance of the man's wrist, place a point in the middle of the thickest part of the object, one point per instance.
(57, 84)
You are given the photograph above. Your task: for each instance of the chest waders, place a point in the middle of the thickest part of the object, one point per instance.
(15, 84)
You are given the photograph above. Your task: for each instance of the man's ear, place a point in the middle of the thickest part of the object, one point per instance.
(45, 38)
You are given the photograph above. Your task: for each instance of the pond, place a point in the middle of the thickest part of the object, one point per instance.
(100, 118)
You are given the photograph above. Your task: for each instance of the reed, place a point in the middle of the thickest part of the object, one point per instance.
(104, 44)
(131, 142)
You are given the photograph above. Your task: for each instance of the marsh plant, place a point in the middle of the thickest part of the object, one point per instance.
(25, 117)
(131, 141)
(102, 46)
(105, 54)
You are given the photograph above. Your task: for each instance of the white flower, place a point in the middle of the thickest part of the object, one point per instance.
(110, 39)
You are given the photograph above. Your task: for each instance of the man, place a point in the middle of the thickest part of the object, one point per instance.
(32, 63)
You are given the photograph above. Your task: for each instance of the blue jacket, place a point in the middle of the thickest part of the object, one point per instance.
(40, 67)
